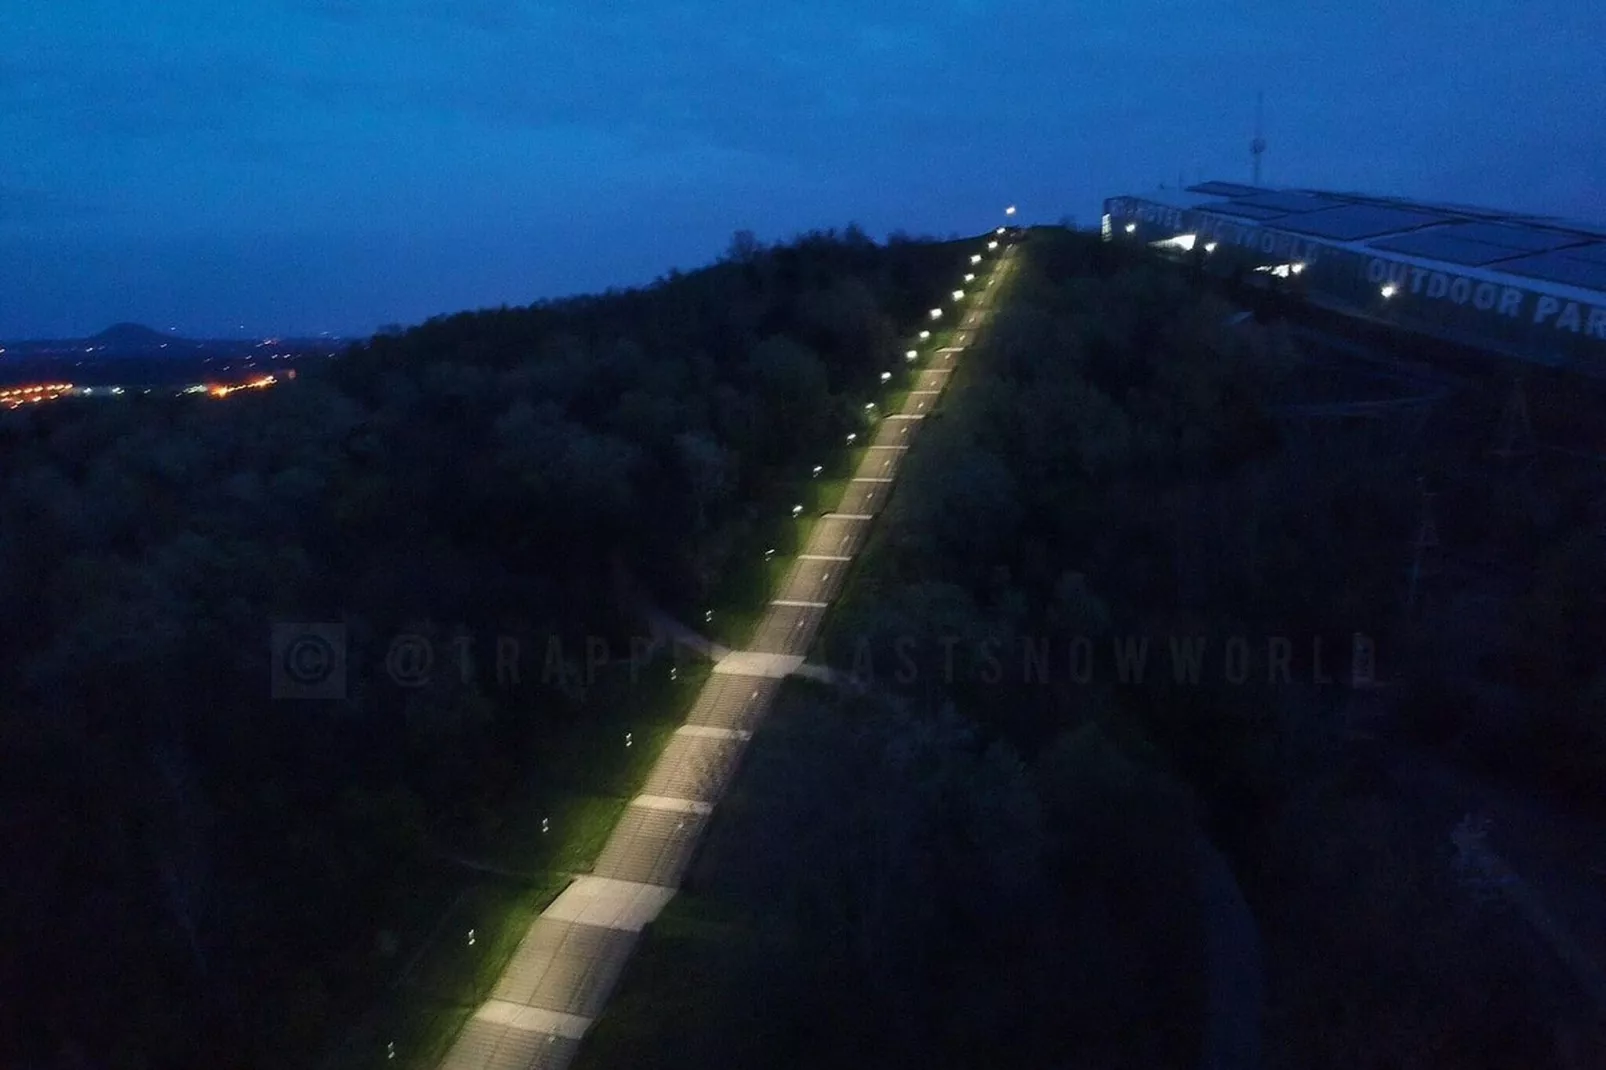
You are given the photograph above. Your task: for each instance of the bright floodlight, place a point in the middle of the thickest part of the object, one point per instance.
(969, 277)
(936, 313)
(976, 259)
(1131, 227)
(1000, 230)
(1210, 246)
(958, 294)
(1390, 290)
(851, 438)
(885, 376)
(1298, 268)
(924, 335)
(869, 406)
(992, 245)
(1010, 210)
(911, 354)
(797, 510)
(819, 468)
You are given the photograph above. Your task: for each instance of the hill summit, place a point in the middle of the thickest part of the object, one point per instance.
(132, 336)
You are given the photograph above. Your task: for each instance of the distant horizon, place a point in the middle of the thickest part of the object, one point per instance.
(243, 332)
(179, 335)
(303, 166)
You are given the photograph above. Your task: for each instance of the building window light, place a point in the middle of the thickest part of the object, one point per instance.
(1181, 241)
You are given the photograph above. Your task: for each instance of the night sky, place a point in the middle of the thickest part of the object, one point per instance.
(296, 166)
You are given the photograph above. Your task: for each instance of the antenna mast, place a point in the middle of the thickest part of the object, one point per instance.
(1258, 145)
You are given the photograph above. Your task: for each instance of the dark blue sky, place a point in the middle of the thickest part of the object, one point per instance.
(296, 166)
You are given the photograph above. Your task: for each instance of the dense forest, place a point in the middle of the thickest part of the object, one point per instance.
(889, 886)
(1114, 468)
(195, 871)
(1115, 464)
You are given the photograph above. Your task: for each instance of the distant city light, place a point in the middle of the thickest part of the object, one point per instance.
(220, 391)
(17, 396)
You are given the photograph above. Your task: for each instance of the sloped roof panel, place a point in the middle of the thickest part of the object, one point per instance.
(1447, 244)
(1557, 267)
(1226, 189)
(1239, 208)
(1523, 239)
(1291, 201)
(1357, 221)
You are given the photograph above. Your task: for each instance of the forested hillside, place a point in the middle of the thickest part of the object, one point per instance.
(1112, 469)
(1115, 473)
(195, 873)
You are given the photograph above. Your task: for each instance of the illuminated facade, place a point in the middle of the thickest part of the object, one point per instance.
(1526, 287)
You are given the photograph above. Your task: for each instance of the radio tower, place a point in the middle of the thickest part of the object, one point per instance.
(1258, 145)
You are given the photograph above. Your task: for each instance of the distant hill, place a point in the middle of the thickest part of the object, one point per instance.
(132, 353)
(119, 342)
(134, 336)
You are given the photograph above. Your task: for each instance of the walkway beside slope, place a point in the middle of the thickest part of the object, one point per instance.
(572, 956)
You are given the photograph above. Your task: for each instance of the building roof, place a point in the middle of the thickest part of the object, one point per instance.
(1555, 251)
